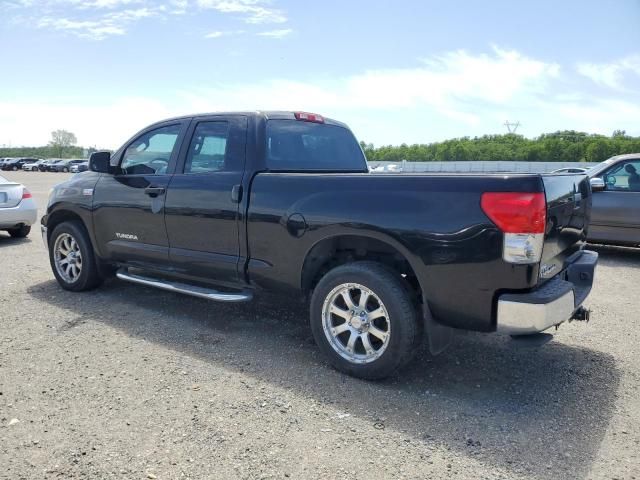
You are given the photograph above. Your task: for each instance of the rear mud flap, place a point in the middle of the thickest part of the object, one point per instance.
(439, 336)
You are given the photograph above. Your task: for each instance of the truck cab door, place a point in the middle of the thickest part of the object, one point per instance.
(615, 211)
(128, 214)
(204, 197)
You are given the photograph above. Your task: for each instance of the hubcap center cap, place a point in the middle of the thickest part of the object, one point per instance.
(359, 321)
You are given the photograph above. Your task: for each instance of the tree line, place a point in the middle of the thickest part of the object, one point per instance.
(562, 146)
(61, 145)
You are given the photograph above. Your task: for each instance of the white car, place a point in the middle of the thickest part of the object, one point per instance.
(32, 166)
(571, 170)
(18, 210)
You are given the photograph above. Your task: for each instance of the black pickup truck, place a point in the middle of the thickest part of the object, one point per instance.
(220, 206)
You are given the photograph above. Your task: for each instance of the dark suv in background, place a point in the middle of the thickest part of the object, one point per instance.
(17, 163)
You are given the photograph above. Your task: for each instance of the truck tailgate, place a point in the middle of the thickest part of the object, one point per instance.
(568, 211)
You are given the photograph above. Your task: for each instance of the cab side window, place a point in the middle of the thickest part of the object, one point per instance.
(150, 153)
(208, 149)
(623, 177)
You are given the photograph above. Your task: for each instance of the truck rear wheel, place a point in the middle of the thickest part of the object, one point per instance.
(72, 259)
(364, 321)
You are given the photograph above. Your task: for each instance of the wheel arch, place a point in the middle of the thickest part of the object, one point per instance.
(339, 249)
(59, 216)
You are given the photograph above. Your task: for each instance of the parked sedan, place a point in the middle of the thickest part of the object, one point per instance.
(615, 215)
(18, 210)
(63, 165)
(44, 166)
(80, 167)
(32, 166)
(16, 164)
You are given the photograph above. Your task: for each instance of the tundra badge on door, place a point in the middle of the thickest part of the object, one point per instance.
(126, 236)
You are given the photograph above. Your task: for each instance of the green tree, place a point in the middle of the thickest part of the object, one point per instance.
(598, 150)
(60, 140)
(561, 146)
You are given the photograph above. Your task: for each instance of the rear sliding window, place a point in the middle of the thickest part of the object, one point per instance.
(297, 145)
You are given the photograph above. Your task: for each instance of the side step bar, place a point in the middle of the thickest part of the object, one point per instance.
(193, 290)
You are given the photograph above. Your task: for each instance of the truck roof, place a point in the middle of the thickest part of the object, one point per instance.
(266, 114)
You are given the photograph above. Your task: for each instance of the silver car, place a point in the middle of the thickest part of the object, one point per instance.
(615, 214)
(18, 210)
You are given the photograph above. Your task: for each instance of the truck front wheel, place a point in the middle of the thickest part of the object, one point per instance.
(72, 259)
(364, 321)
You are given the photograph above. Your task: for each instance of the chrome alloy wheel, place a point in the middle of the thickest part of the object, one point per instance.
(356, 323)
(67, 257)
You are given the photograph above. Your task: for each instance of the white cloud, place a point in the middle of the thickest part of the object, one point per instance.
(109, 4)
(219, 33)
(453, 94)
(611, 74)
(276, 33)
(99, 19)
(252, 11)
(178, 7)
(94, 30)
(454, 84)
(101, 26)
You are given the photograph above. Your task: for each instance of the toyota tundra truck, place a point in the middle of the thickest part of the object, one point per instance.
(222, 206)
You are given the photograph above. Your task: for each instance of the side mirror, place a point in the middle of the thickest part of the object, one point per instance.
(100, 162)
(597, 184)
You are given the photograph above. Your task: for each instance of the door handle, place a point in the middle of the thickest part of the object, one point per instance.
(154, 191)
(236, 194)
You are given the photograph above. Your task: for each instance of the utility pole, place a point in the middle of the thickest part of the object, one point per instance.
(512, 126)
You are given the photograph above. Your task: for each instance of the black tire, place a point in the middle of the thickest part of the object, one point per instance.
(20, 232)
(89, 277)
(405, 332)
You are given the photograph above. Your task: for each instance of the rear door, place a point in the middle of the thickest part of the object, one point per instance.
(568, 210)
(616, 209)
(202, 205)
(129, 205)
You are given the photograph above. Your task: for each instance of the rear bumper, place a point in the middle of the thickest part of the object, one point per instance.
(553, 303)
(25, 213)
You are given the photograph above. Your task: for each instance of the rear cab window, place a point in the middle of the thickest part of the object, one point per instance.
(294, 145)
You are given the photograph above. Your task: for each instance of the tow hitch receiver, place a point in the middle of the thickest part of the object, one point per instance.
(581, 315)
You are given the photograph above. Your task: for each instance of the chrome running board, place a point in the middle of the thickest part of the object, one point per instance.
(193, 290)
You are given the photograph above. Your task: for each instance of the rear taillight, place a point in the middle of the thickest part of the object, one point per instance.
(309, 117)
(26, 194)
(522, 219)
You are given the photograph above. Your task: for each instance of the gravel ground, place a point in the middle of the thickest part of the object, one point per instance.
(130, 382)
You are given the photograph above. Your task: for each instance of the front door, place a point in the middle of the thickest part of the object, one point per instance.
(615, 214)
(128, 217)
(202, 205)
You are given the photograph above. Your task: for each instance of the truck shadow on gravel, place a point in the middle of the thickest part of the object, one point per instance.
(539, 411)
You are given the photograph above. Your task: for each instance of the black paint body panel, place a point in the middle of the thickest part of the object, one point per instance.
(261, 237)
(435, 221)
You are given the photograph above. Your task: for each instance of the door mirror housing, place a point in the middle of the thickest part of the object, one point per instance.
(597, 184)
(100, 162)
